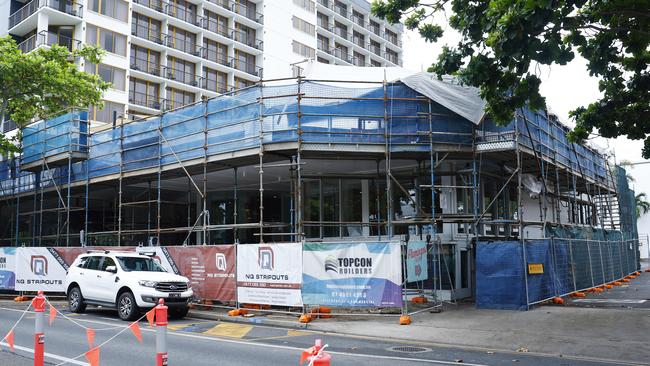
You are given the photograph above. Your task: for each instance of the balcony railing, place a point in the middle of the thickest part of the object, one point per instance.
(247, 67)
(149, 67)
(182, 44)
(358, 20)
(343, 33)
(323, 46)
(147, 33)
(153, 4)
(246, 38)
(213, 85)
(213, 26)
(64, 6)
(147, 100)
(183, 77)
(340, 10)
(48, 38)
(215, 56)
(240, 9)
(183, 14)
(375, 49)
(341, 54)
(325, 3)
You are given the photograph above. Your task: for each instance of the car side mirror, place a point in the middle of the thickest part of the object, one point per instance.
(112, 269)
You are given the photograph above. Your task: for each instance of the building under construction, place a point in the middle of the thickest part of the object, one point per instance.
(323, 160)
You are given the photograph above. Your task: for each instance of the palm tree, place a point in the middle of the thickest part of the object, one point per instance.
(642, 206)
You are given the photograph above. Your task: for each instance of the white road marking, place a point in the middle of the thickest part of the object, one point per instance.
(612, 301)
(49, 355)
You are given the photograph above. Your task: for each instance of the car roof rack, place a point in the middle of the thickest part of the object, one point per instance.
(97, 251)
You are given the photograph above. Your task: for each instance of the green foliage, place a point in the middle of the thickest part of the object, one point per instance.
(504, 41)
(642, 205)
(43, 82)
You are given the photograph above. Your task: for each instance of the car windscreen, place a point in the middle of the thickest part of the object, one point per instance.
(139, 264)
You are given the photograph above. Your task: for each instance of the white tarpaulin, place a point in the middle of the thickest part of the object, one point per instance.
(269, 274)
(462, 100)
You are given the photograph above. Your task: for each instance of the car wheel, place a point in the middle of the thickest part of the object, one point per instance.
(76, 302)
(178, 313)
(127, 309)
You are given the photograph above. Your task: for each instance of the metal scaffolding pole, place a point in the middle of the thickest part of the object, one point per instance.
(119, 193)
(299, 204)
(67, 206)
(387, 155)
(261, 160)
(161, 137)
(206, 214)
(520, 211)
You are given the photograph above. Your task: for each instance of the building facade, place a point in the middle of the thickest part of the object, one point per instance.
(165, 54)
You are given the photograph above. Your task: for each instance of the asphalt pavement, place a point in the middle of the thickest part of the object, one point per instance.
(201, 342)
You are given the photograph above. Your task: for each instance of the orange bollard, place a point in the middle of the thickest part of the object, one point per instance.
(161, 333)
(558, 301)
(616, 283)
(608, 286)
(305, 318)
(404, 320)
(315, 355)
(39, 329)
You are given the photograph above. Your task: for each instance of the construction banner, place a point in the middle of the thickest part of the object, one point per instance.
(40, 269)
(416, 261)
(7, 268)
(269, 274)
(210, 269)
(352, 274)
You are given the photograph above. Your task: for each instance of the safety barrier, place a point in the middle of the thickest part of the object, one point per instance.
(516, 275)
(158, 313)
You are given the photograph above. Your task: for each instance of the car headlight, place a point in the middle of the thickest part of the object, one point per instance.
(147, 283)
(189, 285)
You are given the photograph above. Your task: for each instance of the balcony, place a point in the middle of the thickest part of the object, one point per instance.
(216, 56)
(341, 54)
(247, 67)
(46, 38)
(240, 9)
(147, 33)
(246, 38)
(213, 26)
(64, 6)
(187, 78)
(183, 14)
(152, 68)
(323, 46)
(212, 85)
(376, 49)
(340, 10)
(157, 5)
(182, 45)
(147, 100)
(343, 33)
(358, 20)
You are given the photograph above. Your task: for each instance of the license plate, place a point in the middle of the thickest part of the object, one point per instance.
(175, 294)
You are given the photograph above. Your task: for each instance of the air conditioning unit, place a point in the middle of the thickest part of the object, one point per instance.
(194, 83)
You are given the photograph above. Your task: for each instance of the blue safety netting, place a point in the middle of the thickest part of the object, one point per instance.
(500, 276)
(324, 114)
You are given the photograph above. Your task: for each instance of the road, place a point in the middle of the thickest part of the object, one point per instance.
(199, 342)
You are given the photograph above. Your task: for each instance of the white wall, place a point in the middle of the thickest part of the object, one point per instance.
(5, 7)
(641, 174)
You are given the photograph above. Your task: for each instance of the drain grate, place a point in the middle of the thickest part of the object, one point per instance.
(409, 349)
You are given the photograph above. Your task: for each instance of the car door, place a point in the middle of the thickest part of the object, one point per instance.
(88, 277)
(106, 281)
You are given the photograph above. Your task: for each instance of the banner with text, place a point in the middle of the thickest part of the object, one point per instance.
(7, 268)
(210, 269)
(40, 269)
(416, 261)
(269, 274)
(352, 274)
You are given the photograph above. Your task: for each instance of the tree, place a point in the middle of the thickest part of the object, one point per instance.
(503, 43)
(642, 205)
(42, 82)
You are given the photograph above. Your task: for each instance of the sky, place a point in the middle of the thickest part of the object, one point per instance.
(565, 88)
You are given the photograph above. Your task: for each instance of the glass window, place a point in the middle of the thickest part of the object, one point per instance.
(110, 74)
(351, 207)
(330, 208)
(117, 9)
(108, 261)
(303, 26)
(215, 81)
(93, 262)
(308, 5)
(110, 111)
(303, 50)
(139, 264)
(110, 41)
(216, 23)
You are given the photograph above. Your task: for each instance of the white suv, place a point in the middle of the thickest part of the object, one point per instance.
(127, 281)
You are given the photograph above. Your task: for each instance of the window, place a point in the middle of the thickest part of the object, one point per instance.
(245, 62)
(374, 63)
(245, 35)
(341, 51)
(303, 26)
(341, 8)
(358, 39)
(178, 98)
(181, 70)
(391, 55)
(323, 43)
(341, 30)
(216, 52)
(215, 81)
(146, 60)
(323, 21)
(246, 8)
(374, 27)
(106, 114)
(183, 10)
(93, 262)
(242, 83)
(110, 74)
(110, 41)
(391, 36)
(216, 23)
(357, 17)
(322, 60)
(359, 59)
(117, 9)
(303, 50)
(375, 47)
(147, 28)
(308, 5)
(108, 261)
(182, 40)
(144, 93)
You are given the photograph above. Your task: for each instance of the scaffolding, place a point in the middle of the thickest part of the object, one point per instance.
(288, 125)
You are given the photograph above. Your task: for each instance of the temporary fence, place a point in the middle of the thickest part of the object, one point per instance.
(516, 275)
